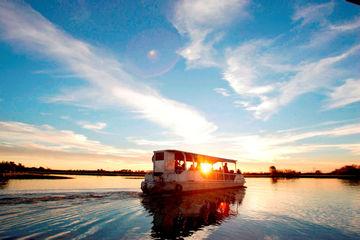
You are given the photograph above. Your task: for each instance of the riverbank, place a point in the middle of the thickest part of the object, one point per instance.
(25, 175)
(57, 175)
(302, 176)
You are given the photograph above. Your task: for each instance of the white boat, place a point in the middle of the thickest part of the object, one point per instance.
(179, 171)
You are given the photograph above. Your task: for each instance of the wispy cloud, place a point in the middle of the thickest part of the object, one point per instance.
(265, 83)
(270, 147)
(201, 21)
(257, 70)
(222, 91)
(330, 32)
(310, 77)
(267, 147)
(54, 73)
(154, 143)
(313, 13)
(347, 26)
(346, 94)
(46, 137)
(245, 67)
(95, 126)
(27, 29)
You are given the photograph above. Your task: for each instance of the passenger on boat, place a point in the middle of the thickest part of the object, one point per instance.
(192, 168)
(183, 166)
(179, 167)
(226, 170)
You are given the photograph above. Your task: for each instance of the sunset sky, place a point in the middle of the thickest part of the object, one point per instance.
(102, 84)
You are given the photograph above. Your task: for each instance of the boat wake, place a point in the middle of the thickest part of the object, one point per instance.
(30, 198)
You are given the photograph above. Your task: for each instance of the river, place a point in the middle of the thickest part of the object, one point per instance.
(92, 207)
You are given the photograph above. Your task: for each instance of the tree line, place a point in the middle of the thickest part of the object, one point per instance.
(348, 170)
(7, 167)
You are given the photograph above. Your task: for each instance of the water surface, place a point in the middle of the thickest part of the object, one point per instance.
(114, 208)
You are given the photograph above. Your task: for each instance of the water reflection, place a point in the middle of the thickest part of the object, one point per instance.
(180, 216)
(274, 180)
(351, 182)
(3, 183)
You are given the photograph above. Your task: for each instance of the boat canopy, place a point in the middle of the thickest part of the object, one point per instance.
(194, 157)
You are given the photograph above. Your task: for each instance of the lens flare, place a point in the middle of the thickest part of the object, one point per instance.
(152, 54)
(206, 168)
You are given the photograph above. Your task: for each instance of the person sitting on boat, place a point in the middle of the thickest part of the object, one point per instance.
(183, 166)
(192, 168)
(226, 170)
(177, 166)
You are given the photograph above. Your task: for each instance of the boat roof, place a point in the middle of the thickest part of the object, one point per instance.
(198, 157)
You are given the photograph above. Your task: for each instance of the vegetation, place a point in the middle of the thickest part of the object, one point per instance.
(272, 171)
(13, 170)
(348, 170)
(19, 170)
(13, 167)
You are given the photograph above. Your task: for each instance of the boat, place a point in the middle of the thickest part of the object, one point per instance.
(176, 171)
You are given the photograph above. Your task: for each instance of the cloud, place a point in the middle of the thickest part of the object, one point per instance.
(266, 84)
(267, 147)
(343, 95)
(154, 143)
(311, 76)
(27, 29)
(95, 126)
(268, 74)
(313, 13)
(34, 143)
(46, 137)
(222, 91)
(245, 67)
(346, 26)
(198, 20)
(271, 147)
(330, 31)
(345, 130)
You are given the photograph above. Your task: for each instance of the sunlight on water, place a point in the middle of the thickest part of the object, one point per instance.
(77, 182)
(113, 208)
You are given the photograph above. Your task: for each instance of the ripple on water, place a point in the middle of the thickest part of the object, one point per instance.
(301, 209)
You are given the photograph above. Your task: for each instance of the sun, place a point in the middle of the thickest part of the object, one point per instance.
(206, 168)
(152, 54)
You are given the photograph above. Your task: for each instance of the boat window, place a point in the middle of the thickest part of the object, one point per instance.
(159, 156)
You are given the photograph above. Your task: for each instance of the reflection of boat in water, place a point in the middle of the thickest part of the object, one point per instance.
(178, 171)
(180, 216)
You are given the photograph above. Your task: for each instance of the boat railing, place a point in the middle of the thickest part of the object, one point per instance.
(221, 176)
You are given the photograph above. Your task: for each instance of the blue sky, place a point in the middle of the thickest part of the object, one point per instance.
(88, 84)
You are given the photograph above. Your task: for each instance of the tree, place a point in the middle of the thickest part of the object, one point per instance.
(348, 170)
(272, 170)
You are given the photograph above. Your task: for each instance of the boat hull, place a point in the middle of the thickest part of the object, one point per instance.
(188, 186)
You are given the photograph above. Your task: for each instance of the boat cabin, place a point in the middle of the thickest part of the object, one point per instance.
(175, 161)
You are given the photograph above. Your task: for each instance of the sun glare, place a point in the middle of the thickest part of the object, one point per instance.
(206, 167)
(152, 54)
